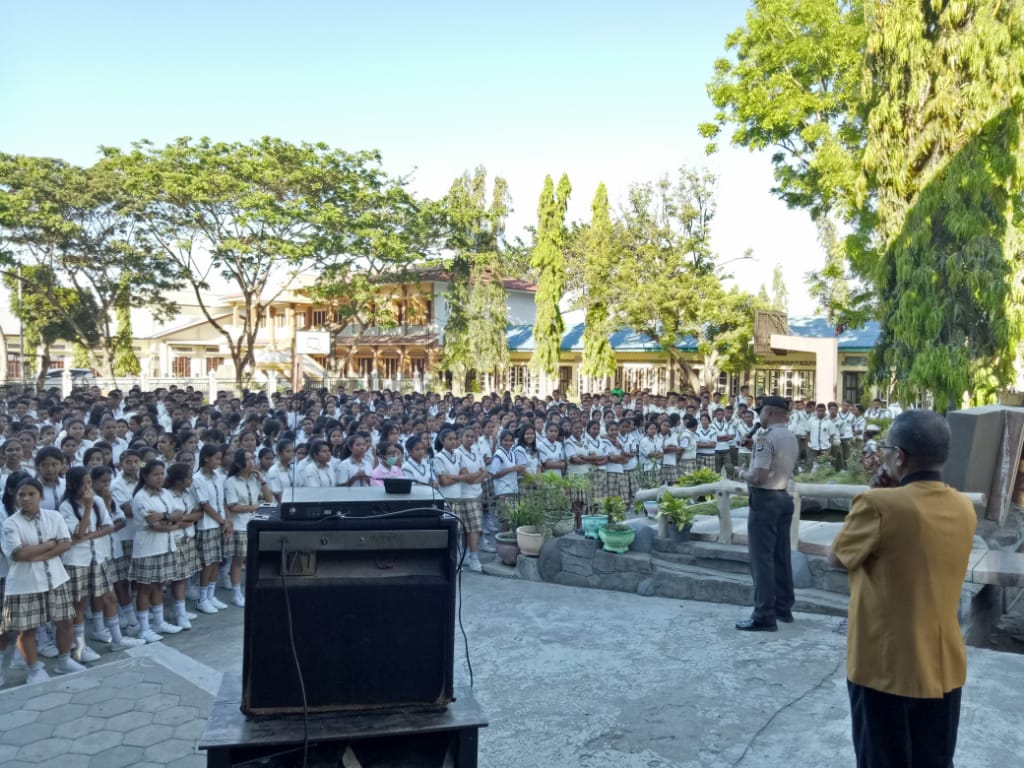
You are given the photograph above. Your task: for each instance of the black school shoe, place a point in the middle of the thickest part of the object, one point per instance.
(785, 618)
(749, 625)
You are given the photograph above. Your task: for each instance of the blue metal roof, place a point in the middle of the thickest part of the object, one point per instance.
(520, 337)
(849, 339)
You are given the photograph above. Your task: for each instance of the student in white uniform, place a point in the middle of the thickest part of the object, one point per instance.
(36, 588)
(244, 491)
(212, 528)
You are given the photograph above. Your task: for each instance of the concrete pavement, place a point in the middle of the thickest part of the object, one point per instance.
(567, 676)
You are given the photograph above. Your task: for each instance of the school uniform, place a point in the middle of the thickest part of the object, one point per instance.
(821, 435)
(550, 451)
(724, 439)
(669, 463)
(350, 467)
(614, 473)
(209, 489)
(154, 553)
(506, 486)
(279, 478)
(470, 504)
(188, 550)
(630, 443)
(686, 459)
(240, 490)
(420, 472)
(705, 455)
(121, 490)
(34, 592)
(88, 562)
(312, 475)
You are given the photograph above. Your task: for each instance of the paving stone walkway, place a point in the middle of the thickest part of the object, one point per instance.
(568, 677)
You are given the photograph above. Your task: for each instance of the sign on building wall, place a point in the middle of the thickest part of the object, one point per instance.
(313, 342)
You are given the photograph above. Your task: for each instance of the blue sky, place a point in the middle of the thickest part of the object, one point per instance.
(605, 91)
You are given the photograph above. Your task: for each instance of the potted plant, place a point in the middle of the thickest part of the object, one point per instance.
(675, 512)
(551, 493)
(528, 517)
(615, 534)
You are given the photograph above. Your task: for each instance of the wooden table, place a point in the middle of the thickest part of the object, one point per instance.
(439, 738)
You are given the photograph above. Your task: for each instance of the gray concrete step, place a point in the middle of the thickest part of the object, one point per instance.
(672, 578)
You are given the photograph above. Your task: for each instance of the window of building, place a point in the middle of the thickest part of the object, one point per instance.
(853, 386)
(319, 318)
(181, 366)
(214, 363)
(388, 367)
(364, 366)
(519, 378)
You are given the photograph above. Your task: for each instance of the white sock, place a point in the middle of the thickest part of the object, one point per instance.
(179, 606)
(207, 592)
(156, 614)
(237, 589)
(144, 621)
(129, 611)
(78, 631)
(114, 626)
(98, 622)
(43, 635)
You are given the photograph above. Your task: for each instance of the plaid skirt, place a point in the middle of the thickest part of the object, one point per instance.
(632, 477)
(616, 484)
(23, 612)
(488, 493)
(706, 460)
(669, 474)
(686, 467)
(210, 546)
(120, 568)
(155, 569)
(92, 580)
(236, 545)
(470, 512)
(188, 557)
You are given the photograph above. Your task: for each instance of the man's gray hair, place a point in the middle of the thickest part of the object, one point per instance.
(921, 433)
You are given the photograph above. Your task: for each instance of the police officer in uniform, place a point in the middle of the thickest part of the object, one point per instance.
(771, 513)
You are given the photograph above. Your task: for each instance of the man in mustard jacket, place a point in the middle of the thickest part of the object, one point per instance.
(906, 548)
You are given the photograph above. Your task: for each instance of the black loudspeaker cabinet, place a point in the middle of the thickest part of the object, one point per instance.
(372, 615)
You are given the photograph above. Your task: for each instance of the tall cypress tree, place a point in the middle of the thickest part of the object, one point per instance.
(548, 261)
(945, 96)
(126, 362)
(599, 261)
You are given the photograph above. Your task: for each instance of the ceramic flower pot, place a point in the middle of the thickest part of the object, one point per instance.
(530, 539)
(616, 541)
(591, 523)
(563, 526)
(506, 548)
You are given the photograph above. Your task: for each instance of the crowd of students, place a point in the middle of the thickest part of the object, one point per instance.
(120, 508)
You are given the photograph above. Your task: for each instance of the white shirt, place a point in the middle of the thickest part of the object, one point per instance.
(52, 494)
(209, 490)
(32, 577)
(608, 448)
(279, 478)
(474, 462)
(548, 451)
(421, 472)
(507, 484)
(446, 463)
(240, 490)
(121, 490)
(94, 550)
(573, 448)
(822, 433)
(312, 475)
(349, 467)
(149, 541)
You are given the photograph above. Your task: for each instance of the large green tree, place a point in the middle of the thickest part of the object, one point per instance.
(548, 262)
(595, 255)
(791, 87)
(944, 90)
(34, 292)
(669, 286)
(256, 216)
(66, 228)
(473, 231)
